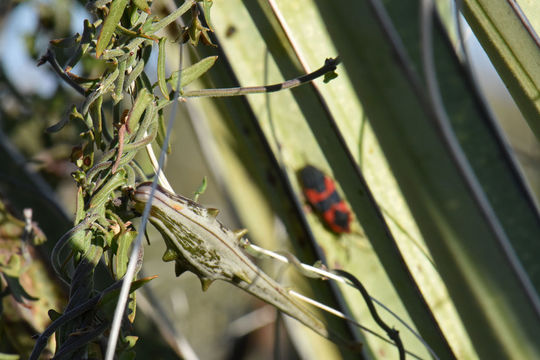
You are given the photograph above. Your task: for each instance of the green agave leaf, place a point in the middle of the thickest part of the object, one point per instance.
(473, 255)
(497, 25)
(302, 127)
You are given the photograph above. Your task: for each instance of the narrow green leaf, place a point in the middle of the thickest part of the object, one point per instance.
(143, 100)
(119, 87)
(161, 68)
(122, 254)
(79, 211)
(192, 72)
(134, 74)
(97, 121)
(201, 189)
(172, 16)
(104, 193)
(109, 26)
(160, 138)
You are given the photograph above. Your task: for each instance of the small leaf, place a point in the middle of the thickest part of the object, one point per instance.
(79, 212)
(132, 307)
(143, 5)
(122, 255)
(66, 42)
(53, 314)
(161, 68)
(13, 266)
(144, 98)
(160, 138)
(88, 32)
(134, 74)
(201, 189)
(192, 72)
(131, 340)
(109, 26)
(80, 240)
(207, 4)
(97, 121)
(17, 290)
(104, 194)
(119, 87)
(74, 114)
(329, 76)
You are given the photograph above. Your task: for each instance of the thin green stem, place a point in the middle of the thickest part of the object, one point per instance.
(329, 65)
(172, 16)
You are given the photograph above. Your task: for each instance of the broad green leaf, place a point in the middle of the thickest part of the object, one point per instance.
(473, 256)
(512, 46)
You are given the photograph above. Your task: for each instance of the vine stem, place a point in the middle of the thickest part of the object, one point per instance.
(310, 271)
(329, 65)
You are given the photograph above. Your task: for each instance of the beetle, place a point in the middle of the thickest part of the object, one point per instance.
(320, 192)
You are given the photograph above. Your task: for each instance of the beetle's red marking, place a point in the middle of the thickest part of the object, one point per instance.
(338, 218)
(314, 196)
(321, 193)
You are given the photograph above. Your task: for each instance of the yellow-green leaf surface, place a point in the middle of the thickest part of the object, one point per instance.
(497, 24)
(280, 115)
(407, 164)
(452, 202)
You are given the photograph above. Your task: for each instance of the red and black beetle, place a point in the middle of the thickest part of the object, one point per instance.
(320, 191)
